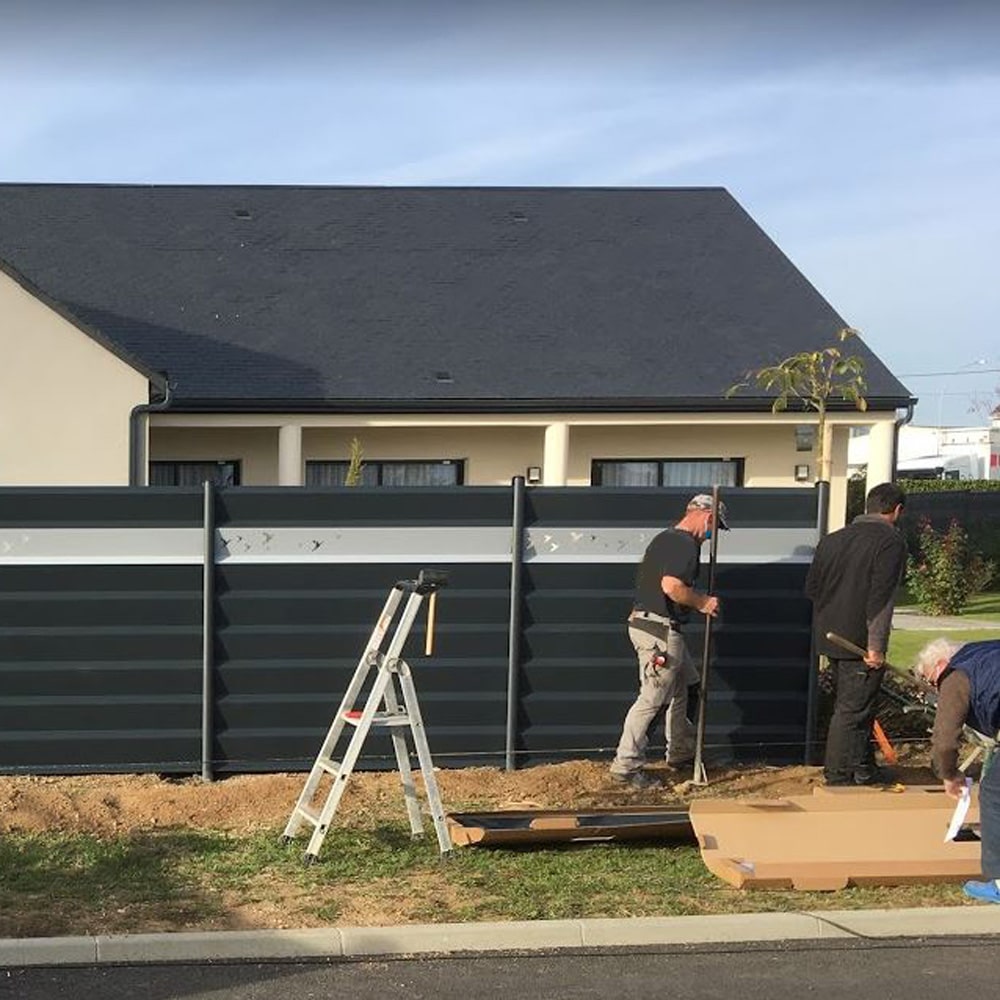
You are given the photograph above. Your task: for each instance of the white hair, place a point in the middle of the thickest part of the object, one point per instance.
(933, 657)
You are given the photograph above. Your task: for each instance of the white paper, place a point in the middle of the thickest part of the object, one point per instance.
(961, 810)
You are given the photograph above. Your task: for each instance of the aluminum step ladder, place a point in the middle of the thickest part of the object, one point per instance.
(391, 704)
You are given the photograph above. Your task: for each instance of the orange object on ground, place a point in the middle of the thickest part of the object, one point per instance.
(888, 750)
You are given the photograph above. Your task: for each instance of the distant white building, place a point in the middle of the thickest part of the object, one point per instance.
(937, 452)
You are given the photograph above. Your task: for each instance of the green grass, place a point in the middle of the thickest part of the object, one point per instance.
(73, 884)
(984, 606)
(904, 644)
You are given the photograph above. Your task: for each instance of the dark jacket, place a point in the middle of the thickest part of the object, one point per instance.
(852, 582)
(968, 695)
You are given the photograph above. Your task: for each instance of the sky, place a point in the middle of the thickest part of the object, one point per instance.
(863, 137)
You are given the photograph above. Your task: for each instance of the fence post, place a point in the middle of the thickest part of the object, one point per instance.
(208, 634)
(514, 633)
(812, 690)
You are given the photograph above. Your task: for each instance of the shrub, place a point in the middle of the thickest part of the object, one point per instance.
(946, 572)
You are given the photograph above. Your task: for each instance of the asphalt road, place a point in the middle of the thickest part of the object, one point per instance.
(940, 969)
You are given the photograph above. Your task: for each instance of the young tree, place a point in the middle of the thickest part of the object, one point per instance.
(812, 379)
(355, 465)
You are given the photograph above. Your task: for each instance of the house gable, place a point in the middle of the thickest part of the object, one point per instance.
(64, 397)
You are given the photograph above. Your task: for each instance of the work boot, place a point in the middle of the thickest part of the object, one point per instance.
(635, 779)
(874, 776)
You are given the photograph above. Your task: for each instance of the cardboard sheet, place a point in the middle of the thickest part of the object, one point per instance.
(837, 837)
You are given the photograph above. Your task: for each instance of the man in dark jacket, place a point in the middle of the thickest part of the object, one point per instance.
(967, 677)
(852, 584)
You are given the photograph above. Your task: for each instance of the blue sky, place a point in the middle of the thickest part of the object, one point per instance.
(863, 137)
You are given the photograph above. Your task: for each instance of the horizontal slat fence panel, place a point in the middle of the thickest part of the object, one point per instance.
(102, 619)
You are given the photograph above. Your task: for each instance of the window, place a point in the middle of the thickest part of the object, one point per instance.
(441, 472)
(194, 473)
(701, 472)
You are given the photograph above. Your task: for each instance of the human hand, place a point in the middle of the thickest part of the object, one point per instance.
(710, 606)
(954, 787)
(875, 660)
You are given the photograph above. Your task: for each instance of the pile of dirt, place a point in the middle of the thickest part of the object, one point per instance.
(121, 804)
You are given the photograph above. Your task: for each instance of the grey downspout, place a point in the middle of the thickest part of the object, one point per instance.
(900, 422)
(136, 440)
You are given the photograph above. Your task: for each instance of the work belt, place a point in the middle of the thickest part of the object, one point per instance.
(654, 625)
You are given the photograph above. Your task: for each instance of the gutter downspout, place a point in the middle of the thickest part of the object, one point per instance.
(900, 422)
(136, 435)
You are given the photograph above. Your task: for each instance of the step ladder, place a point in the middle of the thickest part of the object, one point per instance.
(391, 704)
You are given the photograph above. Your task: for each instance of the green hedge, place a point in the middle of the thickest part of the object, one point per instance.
(974, 503)
(945, 485)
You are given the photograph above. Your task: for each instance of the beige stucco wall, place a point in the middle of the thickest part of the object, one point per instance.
(494, 454)
(64, 399)
(255, 448)
(768, 451)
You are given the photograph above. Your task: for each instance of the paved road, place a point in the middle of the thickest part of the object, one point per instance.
(883, 970)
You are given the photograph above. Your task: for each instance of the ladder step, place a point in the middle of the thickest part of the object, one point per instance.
(379, 719)
(308, 814)
(330, 766)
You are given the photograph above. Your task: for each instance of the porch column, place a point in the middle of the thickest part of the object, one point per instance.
(556, 455)
(290, 455)
(879, 454)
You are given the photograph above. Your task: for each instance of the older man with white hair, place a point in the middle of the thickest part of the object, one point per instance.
(967, 678)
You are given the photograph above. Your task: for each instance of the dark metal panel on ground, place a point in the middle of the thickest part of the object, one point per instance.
(513, 828)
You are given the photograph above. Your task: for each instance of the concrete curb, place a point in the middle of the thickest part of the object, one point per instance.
(541, 935)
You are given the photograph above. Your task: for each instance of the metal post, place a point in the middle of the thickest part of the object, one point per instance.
(699, 777)
(812, 687)
(514, 633)
(208, 635)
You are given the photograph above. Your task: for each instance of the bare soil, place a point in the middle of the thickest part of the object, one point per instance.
(122, 804)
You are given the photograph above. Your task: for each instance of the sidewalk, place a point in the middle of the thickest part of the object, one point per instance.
(516, 936)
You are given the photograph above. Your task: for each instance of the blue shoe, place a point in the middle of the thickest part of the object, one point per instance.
(985, 892)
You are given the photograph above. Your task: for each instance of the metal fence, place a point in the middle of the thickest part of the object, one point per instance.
(178, 631)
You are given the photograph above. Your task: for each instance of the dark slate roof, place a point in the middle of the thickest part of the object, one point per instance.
(423, 298)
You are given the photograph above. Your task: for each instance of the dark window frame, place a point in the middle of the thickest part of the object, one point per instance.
(738, 463)
(380, 463)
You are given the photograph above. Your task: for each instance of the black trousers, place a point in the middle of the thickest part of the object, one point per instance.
(850, 755)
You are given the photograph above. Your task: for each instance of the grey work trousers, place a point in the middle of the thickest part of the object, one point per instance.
(658, 687)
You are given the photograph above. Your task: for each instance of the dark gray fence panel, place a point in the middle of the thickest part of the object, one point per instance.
(290, 633)
(101, 613)
(579, 674)
(100, 656)
(977, 512)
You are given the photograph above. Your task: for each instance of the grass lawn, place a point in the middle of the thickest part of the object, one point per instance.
(76, 884)
(904, 644)
(985, 606)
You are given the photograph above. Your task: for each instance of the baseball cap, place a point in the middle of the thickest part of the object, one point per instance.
(703, 501)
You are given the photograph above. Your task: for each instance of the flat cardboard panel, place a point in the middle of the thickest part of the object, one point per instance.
(835, 838)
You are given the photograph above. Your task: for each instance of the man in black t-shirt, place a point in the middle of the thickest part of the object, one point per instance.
(664, 598)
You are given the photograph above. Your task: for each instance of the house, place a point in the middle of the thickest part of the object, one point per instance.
(576, 336)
